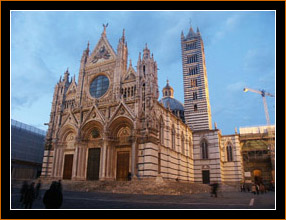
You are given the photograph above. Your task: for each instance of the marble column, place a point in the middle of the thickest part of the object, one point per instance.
(133, 158)
(103, 160)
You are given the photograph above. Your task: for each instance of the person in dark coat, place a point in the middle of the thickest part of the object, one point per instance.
(214, 188)
(53, 197)
(29, 196)
(24, 188)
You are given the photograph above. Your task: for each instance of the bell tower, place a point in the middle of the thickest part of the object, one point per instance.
(196, 90)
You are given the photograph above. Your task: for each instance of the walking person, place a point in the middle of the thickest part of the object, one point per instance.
(214, 189)
(29, 196)
(253, 189)
(53, 197)
(23, 191)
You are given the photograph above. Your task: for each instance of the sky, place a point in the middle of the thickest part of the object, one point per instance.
(239, 49)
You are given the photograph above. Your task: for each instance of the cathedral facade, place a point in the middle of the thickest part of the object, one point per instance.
(110, 125)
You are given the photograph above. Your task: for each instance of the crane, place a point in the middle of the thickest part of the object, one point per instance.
(263, 94)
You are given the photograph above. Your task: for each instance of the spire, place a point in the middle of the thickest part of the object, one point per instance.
(123, 35)
(66, 75)
(130, 62)
(182, 35)
(104, 30)
(198, 31)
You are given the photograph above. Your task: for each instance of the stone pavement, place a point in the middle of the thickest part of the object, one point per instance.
(101, 200)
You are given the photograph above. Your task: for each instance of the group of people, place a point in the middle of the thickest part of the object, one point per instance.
(52, 199)
(255, 188)
(29, 193)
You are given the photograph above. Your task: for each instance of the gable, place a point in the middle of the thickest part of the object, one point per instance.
(102, 53)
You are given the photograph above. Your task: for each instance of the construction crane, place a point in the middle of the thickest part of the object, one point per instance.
(263, 94)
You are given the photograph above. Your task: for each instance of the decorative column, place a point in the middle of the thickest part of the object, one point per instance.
(102, 174)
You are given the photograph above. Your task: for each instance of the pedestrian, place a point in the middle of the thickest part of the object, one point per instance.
(257, 189)
(29, 196)
(53, 197)
(129, 176)
(262, 188)
(214, 188)
(23, 190)
(253, 189)
(37, 191)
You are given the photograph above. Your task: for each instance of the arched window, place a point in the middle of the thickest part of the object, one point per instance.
(161, 131)
(183, 143)
(173, 138)
(195, 107)
(190, 148)
(204, 149)
(229, 152)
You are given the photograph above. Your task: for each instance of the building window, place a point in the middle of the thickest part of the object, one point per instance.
(195, 107)
(195, 96)
(183, 144)
(191, 46)
(193, 70)
(173, 138)
(161, 131)
(194, 83)
(229, 152)
(204, 149)
(99, 86)
(192, 59)
(190, 148)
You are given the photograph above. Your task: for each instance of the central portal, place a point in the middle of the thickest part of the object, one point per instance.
(122, 165)
(93, 164)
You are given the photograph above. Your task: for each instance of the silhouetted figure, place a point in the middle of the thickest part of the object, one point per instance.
(253, 189)
(23, 191)
(53, 197)
(129, 176)
(29, 196)
(37, 190)
(214, 188)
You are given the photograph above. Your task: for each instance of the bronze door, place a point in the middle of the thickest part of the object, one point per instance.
(206, 176)
(122, 166)
(68, 166)
(93, 164)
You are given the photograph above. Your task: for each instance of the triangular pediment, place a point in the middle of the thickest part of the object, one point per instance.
(102, 53)
(131, 74)
(122, 110)
(94, 113)
(71, 90)
(70, 119)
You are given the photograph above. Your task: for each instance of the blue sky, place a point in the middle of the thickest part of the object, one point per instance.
(239, 49)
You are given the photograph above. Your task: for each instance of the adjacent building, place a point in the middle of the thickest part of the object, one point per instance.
(27, 150)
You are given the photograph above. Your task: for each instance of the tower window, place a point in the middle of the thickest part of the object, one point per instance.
(193, 70)
(229, 152)
(194, 83)
(195, 107)
(192, 59)
(195, 96)
(190, 46)
(144, 70)
(204, 149)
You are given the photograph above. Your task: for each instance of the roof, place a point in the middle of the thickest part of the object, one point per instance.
(172, 103)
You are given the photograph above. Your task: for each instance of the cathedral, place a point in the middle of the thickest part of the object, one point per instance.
(110, 125)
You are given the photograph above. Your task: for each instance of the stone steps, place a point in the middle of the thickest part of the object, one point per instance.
(152, 186)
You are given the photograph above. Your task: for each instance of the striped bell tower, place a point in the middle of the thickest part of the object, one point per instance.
(196, 91)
